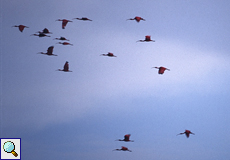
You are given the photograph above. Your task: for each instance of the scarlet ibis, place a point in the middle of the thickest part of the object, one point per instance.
(126, 138)
(62, 38)
(64, 22)
(109, 54)
(40, 35)
(161, 70)
(122, 149)
(20, 27)
(147, 39)
(65, 43)
(138, 19)
(83, 19)
(45, 31)
(49, 51)
(65, 68)
(187, 133)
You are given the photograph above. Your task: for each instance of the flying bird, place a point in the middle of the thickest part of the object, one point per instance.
(83, 19)
(161, 70)
(62, 38)
(147, 39)
(65, 68)
(45, 31)
(122, 149)
(138, 19)
(187, 133)
(49, 51)
(40, 35)
(126, 138)
(20, 27)
(65, 43)
(109, 54)
(64, 22)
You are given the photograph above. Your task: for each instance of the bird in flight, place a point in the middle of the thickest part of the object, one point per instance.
(83, 19)
(65, 43)
(138, 19)
(20, 27)
(45, 31)
(126, 138)
(49, 51)
(64, 22)
(161, 70)
(122, 149)
(109, 54)
(40, 35)
(62, 38)
(147, 39)
(65, 68)
(187, 133)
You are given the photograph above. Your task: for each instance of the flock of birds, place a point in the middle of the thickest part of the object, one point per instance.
(49, 52)
(127, 136)
(45, 32)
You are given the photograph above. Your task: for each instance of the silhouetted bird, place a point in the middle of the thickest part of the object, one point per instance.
(45, 31)
(49, 51)
(187, 133)
(65, 68)
(122, 149)
(40, 35)
(147, 39)
(62, 38)
(65, 43)
(161, 70)
(83, 19)
(137, 19)
(20, 27)
(109, 54)
(126, 138)
(64, 22)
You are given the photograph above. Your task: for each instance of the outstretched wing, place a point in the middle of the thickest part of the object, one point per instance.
(66, 66)
(126, 137)
(50, 50)
(64, 23)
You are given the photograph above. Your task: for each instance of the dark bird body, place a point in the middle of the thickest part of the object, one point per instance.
(126, 138)
(147, 39)
(187, 133)
(20, 27)
(138, 19)
(65, 68)
(62, 38)
(40, 35)
(122, 149)
(83, 19)
(109, 54)
(45, 31)
(161, 70)
(64, 22)
(49, 51)
(65, 43)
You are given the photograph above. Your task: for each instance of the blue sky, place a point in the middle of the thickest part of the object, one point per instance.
(79, 115)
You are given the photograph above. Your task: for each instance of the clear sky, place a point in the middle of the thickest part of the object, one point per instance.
(80, 114)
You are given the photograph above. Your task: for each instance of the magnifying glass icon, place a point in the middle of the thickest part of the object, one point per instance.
(9, 147)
